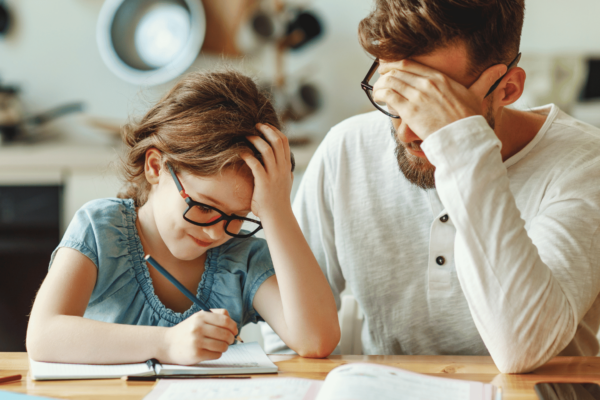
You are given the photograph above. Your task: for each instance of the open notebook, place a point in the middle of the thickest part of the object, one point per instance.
(246, 358)
(348, 382)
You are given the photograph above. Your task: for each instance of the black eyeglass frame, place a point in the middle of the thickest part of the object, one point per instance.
(366, 87)
(224, 217)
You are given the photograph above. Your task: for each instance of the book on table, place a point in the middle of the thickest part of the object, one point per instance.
(246, 358)
(357, 381)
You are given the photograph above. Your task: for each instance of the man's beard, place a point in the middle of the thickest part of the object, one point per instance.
(420, 171)
(417, 170)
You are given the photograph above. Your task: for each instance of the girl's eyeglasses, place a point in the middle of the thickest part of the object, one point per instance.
(368, 87)
(204, 215)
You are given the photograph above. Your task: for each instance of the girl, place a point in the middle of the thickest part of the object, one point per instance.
(216, 137)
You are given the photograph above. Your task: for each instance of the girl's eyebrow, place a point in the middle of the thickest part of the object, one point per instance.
(213, 200)
(218, 203)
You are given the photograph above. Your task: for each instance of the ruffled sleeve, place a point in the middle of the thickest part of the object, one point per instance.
(100, 230)
(80, 235)
(260, 269)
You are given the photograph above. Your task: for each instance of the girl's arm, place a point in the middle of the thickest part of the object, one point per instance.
(297, 302)
(57, 331)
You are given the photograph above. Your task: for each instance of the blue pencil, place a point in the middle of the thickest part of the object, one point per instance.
(175, 282)
(179, 286)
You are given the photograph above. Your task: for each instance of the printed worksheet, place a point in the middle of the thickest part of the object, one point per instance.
(242, 389)
(347, 382)
(362, 381)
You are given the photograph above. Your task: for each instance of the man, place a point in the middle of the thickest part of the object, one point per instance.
(473, 228)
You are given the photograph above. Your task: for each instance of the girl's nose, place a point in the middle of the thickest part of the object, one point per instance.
(216, 231)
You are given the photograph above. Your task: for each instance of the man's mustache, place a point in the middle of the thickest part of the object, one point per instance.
(416, 145)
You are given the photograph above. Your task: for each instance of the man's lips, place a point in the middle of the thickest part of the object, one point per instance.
(200, 242)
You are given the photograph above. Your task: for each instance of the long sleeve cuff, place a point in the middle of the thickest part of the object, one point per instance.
(455, 145)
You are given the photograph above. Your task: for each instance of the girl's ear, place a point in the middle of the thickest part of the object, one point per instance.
(153, 165)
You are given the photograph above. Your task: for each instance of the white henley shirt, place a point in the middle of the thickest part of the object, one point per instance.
(513, 271)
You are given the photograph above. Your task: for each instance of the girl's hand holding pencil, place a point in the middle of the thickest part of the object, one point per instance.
(203, 336)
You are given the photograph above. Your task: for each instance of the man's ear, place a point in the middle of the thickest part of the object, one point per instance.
(511, 88)
(153, 165)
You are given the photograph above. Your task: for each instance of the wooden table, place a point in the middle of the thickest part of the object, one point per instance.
(560, 369)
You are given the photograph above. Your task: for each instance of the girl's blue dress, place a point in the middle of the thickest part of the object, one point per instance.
(104, 231)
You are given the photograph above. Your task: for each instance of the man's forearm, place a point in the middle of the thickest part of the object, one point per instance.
(522, 312)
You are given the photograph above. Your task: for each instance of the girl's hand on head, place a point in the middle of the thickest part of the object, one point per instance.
(203, 336)
(273, 181)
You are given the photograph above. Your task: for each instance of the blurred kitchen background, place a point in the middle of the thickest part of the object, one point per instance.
(73, 71)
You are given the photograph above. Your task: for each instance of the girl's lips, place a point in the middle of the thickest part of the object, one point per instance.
(200, 242)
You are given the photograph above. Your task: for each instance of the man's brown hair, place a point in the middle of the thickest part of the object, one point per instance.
(199, 126)
(490, 29)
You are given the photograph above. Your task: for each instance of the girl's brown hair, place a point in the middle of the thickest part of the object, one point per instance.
(199, 126)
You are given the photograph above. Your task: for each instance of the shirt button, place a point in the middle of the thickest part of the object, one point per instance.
(444, 218)
(440, 260)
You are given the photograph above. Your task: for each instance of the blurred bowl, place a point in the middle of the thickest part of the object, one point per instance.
(149, 42)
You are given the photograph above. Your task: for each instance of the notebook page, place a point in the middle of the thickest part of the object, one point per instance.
(369, 381)
(43, 370)
(241, 389)
(243, 355)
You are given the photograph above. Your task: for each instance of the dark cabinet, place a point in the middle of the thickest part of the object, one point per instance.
(29, 232)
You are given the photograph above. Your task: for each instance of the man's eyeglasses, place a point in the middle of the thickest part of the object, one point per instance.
(204, 215)
(367, 86)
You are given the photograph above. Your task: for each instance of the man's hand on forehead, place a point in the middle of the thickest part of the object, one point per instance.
(426, 99)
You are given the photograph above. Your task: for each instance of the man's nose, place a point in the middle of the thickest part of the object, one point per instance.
(405, 134)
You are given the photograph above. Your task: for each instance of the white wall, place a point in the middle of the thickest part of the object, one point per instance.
(52, 54)
(557, 26)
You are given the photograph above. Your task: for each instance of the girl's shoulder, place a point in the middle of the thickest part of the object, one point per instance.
(105, 211)
(101, 214)
(101, 224)
(244, 253)
(239, 267)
